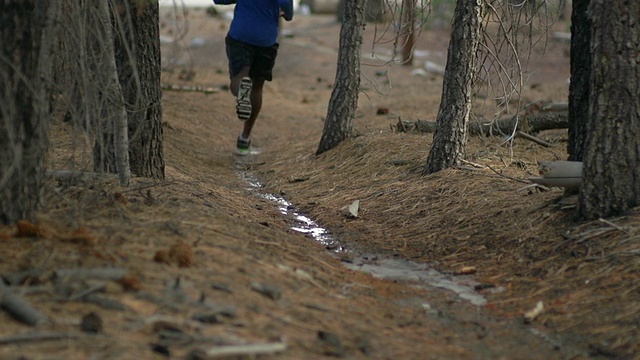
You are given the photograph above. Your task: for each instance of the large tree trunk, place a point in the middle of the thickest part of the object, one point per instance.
(344, 98)
(611, 173)
(138, 61)
(450, 138)
(27, 34)
(580, 71)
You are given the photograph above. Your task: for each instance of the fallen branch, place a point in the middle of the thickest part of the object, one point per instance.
(79, 175)
(104, 302)
(18, 308)
(45, 336)
(87, 292)
(95, 273)
(533, 138)
(23, 276)
(190, 88)
(506, 176)
(250, 350)
(504, 126)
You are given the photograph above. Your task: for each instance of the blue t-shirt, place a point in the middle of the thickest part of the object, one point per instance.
(256, 21)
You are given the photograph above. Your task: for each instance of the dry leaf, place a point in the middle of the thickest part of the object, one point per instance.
(28, 229)
(130, 282)
(162, 256)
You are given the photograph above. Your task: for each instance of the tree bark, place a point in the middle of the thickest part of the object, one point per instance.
(579, 86)
(27, 35)
(449, 140)
(408, 33)
(611, 172)
(138, 60)
(344, 97)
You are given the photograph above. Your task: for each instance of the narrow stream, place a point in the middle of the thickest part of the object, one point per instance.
(385, 268)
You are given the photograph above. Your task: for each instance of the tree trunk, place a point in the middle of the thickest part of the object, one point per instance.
(408, 33)
(138, 60)
(116, 121)
(449, 140)
(611, 173)
(374, 10)
(580, 71)
(344, 98)
(27, 35)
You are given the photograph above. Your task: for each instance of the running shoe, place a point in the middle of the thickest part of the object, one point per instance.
(243, 146)
(243, 101)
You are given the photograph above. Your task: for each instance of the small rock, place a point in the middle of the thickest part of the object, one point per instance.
(91, 323)
(331, 344)
(221, 287)
(210, 318)
(382, 111)
(267, 290)
(161, 349)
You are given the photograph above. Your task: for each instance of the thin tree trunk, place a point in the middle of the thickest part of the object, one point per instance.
(344, 98)
(580, 71)
(137, 50)
(611, 164)
(450, 138)
(117, 114)
(408, 27)
(27, 35)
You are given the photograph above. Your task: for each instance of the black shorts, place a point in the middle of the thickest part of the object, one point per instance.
(260, 59)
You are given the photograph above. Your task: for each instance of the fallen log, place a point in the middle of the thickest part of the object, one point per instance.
(190, 88)
(36, 337)
(566, 174)
(18, 308)
(92, 273)
(529, 124)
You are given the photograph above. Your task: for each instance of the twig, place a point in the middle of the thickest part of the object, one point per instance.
(507, 176)
(45, 336)
(250, 350)
(150, 186)
(18, 308)
(472, 164)
(533, 138)
(90, 290)
(534, 185)
(104, 302)
(612, 225)
(95, 273)
(79, 175)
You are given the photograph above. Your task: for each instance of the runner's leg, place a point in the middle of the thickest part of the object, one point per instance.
(256, 105)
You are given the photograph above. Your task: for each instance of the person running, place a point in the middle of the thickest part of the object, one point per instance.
(252, 47)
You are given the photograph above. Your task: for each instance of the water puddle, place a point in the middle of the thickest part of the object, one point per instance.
(420, 275)
(392, 269)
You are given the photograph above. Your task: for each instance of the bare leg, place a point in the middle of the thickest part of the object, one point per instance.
(235, 80)
(256, 98)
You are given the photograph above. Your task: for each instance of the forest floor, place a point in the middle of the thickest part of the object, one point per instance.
(256, 257)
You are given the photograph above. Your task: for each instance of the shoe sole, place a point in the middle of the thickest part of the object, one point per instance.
(247, 152)
(243, 102)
